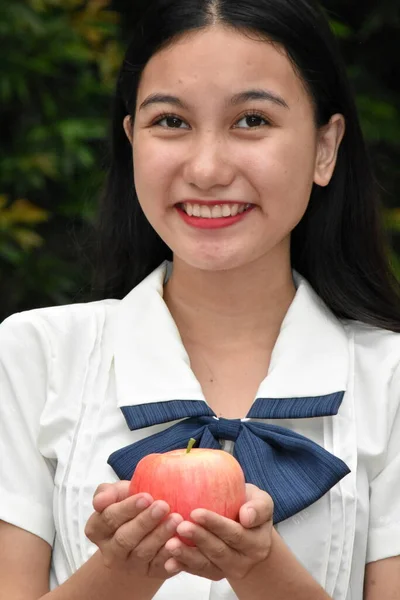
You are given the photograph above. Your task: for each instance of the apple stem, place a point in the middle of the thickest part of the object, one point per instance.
(190, 445)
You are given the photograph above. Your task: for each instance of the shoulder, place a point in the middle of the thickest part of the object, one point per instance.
(376, 364)
(58, 316)
(40, 331)
(375, 344)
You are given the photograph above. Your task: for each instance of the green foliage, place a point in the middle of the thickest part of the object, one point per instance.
(58, 67)
(369, 39)
(57, 73)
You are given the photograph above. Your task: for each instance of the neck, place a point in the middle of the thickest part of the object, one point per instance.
(215, 308)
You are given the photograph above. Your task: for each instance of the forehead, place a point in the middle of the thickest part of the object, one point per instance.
(220, 60)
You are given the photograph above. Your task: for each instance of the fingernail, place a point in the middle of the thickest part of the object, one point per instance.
(158, 511)
(186, 531)
(200, 518)
(252, 515)
(142, 503)
(98, 496)
(172, 523)
(173, 569)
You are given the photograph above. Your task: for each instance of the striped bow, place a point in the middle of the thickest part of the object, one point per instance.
(293, 469)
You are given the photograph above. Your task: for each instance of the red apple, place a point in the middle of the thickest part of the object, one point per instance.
(192, 478)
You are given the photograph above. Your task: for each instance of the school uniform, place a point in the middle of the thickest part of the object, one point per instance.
(78, 383)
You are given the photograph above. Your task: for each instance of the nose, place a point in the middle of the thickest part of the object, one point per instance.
(208, 164)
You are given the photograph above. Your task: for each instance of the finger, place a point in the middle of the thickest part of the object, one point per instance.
(213, 547)
(258, 509)
(151, 545)
(101, 526)
(188, 556)
(109, 493)
(131, 533)
(173, 566)
(191, 560)
(225, 542)
(157, 565)
(228, 531)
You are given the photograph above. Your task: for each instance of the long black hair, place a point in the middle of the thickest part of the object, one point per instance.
(339, 244)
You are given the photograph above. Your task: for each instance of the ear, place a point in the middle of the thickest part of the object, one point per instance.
(329, 139)
(128, 127)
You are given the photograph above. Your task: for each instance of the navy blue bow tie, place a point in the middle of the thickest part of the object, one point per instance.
(293, 469)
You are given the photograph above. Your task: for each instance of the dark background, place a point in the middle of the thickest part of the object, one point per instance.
(57, 74)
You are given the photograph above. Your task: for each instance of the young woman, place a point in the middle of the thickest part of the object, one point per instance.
(251, 305)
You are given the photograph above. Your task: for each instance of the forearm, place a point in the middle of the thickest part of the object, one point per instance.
(279, 577)
(94, 581)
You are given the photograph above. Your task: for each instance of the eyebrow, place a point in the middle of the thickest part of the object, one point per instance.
(240, 98)
(258, 94)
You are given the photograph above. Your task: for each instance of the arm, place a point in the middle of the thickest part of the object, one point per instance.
(24, 574)
(279, 577)
(285, 578)
(382, 579)
(94, 581)
(24, 564)
(130, 531)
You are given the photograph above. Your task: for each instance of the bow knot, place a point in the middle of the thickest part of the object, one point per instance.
(225, 429)
(293, 469)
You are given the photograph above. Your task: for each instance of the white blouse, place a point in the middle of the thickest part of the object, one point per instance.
(66, 371)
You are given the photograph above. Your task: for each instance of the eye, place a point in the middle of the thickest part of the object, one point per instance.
(253, 120)
(170, 122)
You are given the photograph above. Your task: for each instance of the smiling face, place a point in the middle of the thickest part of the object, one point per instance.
(227, 175)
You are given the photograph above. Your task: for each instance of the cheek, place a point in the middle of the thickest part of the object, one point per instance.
(153, 167)
(283, 174)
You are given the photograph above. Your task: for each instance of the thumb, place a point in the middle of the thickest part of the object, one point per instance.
(258, 509)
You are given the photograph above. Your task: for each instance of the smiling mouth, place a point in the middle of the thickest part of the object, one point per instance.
(216, 211)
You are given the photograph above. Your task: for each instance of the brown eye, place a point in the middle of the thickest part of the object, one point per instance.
(170, 122)
(252, 121)
(173, 122)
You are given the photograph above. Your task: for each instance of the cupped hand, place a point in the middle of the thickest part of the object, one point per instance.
(224, 548)
(131, 531)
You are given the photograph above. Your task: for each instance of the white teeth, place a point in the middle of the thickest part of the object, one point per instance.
(214, 212)
(205, 212)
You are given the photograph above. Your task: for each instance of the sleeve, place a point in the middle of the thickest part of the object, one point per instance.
(26, 476)
(384, 522)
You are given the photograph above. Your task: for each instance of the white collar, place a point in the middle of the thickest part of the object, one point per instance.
(310, 357)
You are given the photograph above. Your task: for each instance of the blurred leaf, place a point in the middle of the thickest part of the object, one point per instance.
(395, 264)
(72, 130)
(27, 238)
(380, 119)
(392, 220)
(10, 253)
(340, 29)
(21, 211)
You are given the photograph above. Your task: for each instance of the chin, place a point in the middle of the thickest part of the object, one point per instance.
(216, 262)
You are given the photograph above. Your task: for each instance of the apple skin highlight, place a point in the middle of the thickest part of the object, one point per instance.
(192, 478)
